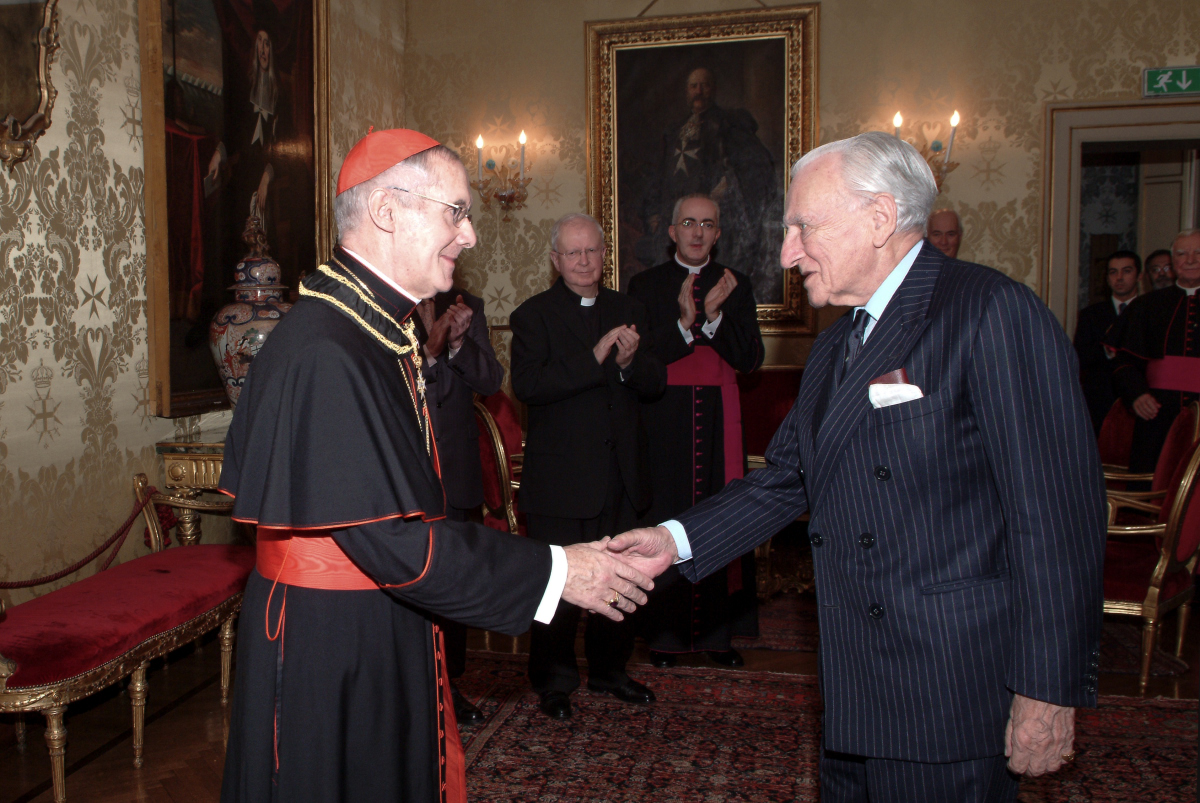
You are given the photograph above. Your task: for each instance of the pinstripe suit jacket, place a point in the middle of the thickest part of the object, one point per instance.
(958, 539)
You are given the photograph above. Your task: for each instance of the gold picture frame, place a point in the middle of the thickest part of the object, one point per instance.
(33, 47)
(169, 401)
(622, 53)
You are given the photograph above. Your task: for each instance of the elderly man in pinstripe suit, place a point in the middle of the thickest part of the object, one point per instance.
(942, 445)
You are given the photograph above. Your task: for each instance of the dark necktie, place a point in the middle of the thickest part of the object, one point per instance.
(854, 341)
(1121, 308)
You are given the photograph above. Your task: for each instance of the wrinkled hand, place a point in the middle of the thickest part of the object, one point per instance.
(1038, 736)
(595, 577)
(687, 303)
(627, 345)
(648, 549)
(214, 164)
(1146, 406)
(460, 320)
(606, 343)
(717, 295)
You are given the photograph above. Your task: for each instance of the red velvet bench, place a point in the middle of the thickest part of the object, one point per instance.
(75, 641)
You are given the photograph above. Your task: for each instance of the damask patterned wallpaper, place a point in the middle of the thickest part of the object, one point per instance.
(481, 67)
(75, 420)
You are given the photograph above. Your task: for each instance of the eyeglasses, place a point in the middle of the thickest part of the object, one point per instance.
(461, 212)
(573, 256)
(688, 223)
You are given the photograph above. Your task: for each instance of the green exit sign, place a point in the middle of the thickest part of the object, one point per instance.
(1170, 81)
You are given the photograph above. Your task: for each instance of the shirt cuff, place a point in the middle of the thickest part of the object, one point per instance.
(710, 328)
(687, 336)
(454, 351)
(681, 540)
(554, 588)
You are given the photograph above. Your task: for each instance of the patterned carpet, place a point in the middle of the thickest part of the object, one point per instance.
(789, 622)
(726, 735)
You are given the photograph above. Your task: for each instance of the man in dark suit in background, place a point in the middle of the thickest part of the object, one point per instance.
(459, 362)
(577, 364)
(1095, 361)
(941, 444)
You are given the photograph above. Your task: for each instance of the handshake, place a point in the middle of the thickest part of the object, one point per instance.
(610, 576)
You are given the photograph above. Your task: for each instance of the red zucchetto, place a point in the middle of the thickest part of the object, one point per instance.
(378, 151)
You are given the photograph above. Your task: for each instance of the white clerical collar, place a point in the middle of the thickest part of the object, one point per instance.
(587, 302)
(1191, 291)
(381, 275)
(692, 268)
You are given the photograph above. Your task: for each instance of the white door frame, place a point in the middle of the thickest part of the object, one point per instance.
(1068, 126)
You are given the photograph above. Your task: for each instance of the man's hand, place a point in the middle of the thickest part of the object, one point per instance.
(687, 303)
(1038, 737)
(627, 344)
(649, 549)
(599, 582)
(1146, 406)
(717, 295)
(606, 343)
(459, 315)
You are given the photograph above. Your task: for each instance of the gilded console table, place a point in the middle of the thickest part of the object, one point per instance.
(193, 466)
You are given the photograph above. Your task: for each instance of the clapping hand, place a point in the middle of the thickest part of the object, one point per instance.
(450, 327)
(650, 550)
(599, 582)
(627, 344)
(717, 295)
(687, 303)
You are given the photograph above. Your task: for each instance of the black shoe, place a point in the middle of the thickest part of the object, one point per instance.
(556, 705)
(628, 691)
(727, 657)
(662, 660)
(466, 712)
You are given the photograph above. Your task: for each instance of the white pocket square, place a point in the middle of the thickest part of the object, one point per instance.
(885, 395)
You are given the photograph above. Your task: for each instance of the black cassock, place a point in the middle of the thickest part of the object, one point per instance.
(330, 439)
(687, 432)
(1156, 325)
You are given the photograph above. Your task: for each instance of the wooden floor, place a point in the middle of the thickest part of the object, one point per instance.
(186, 726)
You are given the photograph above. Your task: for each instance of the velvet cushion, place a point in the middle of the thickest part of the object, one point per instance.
(1128, 566)
(95, 620)
(1176, 449)
(767, 397)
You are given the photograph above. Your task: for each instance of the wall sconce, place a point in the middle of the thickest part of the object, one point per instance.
(937, 158)
(507, 187)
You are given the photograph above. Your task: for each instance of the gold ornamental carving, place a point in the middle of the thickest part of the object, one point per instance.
(21, 127)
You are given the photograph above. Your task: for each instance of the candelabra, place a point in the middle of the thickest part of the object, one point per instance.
(507, 186)
(937, 157)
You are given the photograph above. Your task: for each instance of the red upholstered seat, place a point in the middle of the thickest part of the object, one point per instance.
(767, 396)
(498, 445)
(1137, 561)
(95, 620)
(1116, 435)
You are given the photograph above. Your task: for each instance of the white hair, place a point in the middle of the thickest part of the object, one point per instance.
(1182, 234)
(876, 163)
(414, 173)
(566, 220)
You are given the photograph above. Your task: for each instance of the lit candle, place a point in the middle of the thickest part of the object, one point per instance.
(479, 157)
(953, 127)
(521, 139)
(897, 121)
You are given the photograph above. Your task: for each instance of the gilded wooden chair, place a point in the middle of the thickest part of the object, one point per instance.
(1184, 431)
(500, 484)
(1148, 567)
(74, 641)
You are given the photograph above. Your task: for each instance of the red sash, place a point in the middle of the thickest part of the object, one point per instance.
(295, 558)
(705, 367)
(1174, 373)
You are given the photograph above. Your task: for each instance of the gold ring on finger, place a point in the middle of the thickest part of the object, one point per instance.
(1068, 757)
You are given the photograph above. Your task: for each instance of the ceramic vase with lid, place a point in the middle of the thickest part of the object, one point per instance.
(240, 328)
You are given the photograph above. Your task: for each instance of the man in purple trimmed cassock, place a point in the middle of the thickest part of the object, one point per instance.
(704, 324)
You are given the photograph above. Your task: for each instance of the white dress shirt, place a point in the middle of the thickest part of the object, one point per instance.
(558, 558)
(875, 306)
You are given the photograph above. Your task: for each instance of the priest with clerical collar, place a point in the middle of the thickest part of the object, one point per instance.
(331, 454)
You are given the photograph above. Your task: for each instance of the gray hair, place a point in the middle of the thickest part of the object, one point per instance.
(877, 163)
(1182, 234)
(566, 220)
(414, 173)
(701, 195)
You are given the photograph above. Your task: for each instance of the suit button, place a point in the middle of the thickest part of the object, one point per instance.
(876, 611)
(802, 475)
(815, 539)
(610, 406)
(883, 473)
(866, 540)
(1091, 689)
